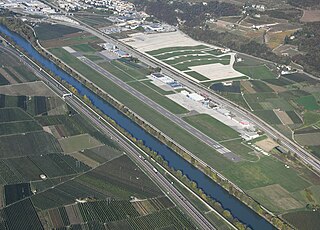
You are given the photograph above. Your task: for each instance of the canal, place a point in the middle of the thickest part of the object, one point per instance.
(237, 208)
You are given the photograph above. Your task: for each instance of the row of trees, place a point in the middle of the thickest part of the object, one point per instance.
(156, 133)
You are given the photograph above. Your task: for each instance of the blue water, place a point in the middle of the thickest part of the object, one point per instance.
(238, 210)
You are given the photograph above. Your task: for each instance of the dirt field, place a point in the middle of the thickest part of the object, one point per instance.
(267, 144)
(284, 118)
(276, 88)
(149, 42)
(275, 39)
(310, 16)
(248, 86)
(217, 71)
(78, 143)
(311, 139)
(37, 88)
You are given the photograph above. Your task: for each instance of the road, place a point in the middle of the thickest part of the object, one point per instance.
(101, 124)
(176, 119)
(301, 153)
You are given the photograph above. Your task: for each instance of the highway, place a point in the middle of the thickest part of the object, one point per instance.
(131, 151)
(302, 154)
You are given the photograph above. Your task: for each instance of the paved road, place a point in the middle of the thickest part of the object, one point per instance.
(100, 123)
(304, 155)
(176, 119)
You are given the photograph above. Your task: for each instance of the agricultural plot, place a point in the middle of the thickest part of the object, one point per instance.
(177, 48)
(212, 127)
(16, 192)
(308, 139)
(303, 219)
(170, 217)
(275, 198)
(20, 216)
(19, 127)
(78, 143)
(234, 88)
(13, 114)
(53, 31)
(268, 116)
(256, 72)
(35, 143)
(308, 102)
(102, 154)
(251, 175)
(94, 20)
(3, 80)
(120, 178)
(37, 88)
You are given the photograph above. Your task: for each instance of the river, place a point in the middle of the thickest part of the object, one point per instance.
(237, 208)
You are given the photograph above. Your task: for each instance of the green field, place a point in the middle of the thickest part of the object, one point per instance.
(239, 148)
(173, 49)
(308, 102)
(93, 58)
(250, 175)
(49, 31)
(268, 116)
(304, 220)
(256, 72)
(212, 127)
(85, 48)
(185, 66)
(197, 76)
(19, 127)
(158, 98)
(78, 143)
(275, 198)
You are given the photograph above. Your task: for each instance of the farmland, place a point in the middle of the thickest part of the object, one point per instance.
(254, 170)
(49, 31)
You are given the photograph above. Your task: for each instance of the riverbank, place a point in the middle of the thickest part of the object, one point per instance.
(81, 91)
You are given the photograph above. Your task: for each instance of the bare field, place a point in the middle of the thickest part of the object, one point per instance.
(312, 139)
(267, 144)
(149, 42)
(310, 16)
(283, 116)
(37, 88)
(248, 86)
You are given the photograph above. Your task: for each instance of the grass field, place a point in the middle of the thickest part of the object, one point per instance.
(48, 31)
(173, 49)
(78, 143)
(158, 98)
(241, 173)
(308, 102)
(85, 48)
(211, 127)
(256, 72)
(254, 175)
(239, 148)
(197, 76)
